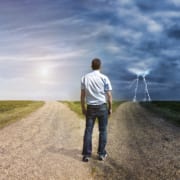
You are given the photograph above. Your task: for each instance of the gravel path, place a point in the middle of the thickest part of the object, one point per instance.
(141, 146)
(47, 146)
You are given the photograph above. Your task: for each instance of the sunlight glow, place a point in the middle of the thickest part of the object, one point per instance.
(44, 71)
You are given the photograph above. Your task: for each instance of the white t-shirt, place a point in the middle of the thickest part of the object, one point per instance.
(96, 86)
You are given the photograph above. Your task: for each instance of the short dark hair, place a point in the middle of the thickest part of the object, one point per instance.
(96, 64)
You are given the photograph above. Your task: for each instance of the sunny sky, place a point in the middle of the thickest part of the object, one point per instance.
(47, 45)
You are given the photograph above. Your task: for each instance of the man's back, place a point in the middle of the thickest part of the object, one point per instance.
(95, 85)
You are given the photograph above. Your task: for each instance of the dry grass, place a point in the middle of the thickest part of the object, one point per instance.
(11, 111)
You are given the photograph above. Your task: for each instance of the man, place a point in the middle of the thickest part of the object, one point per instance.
(96, 93)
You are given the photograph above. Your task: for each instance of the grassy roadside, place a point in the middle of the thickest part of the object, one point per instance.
(11, 111)
(116, 104)
(169, 110)
(76, 106)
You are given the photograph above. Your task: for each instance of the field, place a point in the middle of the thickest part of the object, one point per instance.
(169, 110)
(10, 111)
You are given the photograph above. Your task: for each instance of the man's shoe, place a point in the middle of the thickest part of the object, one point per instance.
(102, 157)
(85, 158)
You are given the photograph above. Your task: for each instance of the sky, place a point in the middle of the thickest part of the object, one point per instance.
(48, 45)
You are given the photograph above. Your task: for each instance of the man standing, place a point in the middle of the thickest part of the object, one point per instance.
(96, 93)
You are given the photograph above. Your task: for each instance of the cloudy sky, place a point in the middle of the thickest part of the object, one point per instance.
(47, 45)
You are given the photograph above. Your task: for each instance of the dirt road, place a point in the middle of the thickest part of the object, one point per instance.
(47, 145)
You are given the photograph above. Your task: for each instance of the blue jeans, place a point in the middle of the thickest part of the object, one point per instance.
(101, 113)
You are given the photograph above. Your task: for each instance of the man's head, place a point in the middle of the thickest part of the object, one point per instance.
(96, 64)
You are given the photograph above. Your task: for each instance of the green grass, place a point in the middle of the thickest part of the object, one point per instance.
(169, 110)
(11, 111)
(116, 104)
(76, 106)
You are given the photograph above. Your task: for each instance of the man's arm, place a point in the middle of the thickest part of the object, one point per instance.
(83, 107)
(109, 99)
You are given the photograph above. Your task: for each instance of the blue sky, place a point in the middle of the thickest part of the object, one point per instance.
(47, 45)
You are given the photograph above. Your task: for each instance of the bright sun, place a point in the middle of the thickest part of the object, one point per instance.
(44, 71)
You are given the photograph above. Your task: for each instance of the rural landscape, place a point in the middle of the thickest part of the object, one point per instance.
(43, 140)
(59, 56)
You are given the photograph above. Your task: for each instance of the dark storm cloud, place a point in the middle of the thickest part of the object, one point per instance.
(157, 49)
(174, 32)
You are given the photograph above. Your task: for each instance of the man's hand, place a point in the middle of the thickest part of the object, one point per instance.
(109, 112)
(84, 111)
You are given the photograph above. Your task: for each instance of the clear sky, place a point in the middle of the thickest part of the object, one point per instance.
(47, 45)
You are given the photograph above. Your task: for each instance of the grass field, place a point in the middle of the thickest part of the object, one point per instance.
(11, 111)
(76, 106)
(169, 110)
